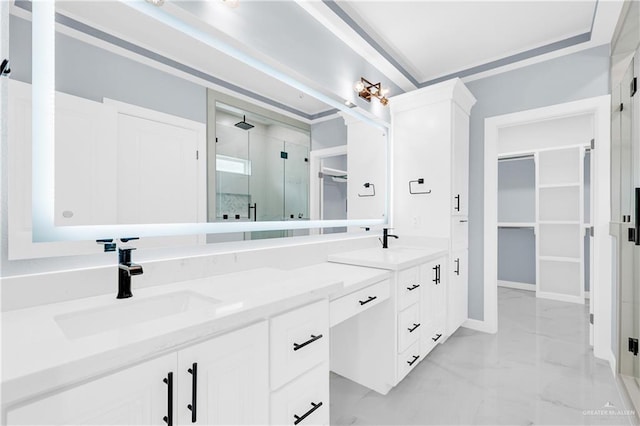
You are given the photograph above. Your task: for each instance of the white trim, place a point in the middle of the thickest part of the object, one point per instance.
(587, 295)
(516, 224)
(601, 178)
(517, 285)
(560, 297)
(316, 189)
(478, 325)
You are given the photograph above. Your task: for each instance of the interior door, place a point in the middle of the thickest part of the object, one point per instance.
(157, 172)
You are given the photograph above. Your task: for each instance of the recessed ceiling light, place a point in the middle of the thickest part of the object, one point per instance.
(232, 3)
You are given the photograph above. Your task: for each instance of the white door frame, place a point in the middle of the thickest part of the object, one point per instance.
(601, 268)
(315, 191)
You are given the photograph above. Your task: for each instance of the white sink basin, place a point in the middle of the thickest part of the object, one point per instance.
(128, 312)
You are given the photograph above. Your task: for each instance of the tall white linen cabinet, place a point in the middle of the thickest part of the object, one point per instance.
(430, 166)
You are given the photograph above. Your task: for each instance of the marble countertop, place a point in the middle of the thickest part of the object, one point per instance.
(394, 258)
(353, 277)
(38, 357)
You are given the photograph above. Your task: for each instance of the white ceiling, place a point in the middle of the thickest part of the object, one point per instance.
(431, 39)
(403, 44)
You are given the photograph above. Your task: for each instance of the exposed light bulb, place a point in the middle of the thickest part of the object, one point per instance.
(359, 86)
(384, 92)
(232, 3)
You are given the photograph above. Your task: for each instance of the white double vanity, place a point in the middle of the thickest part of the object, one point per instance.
(257, 346)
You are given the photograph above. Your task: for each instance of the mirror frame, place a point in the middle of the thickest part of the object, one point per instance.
(43, 141)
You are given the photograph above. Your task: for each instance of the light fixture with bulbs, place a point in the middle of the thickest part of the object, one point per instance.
(232, 3)
(366, 90)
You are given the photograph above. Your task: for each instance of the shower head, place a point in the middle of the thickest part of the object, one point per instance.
(243, 124)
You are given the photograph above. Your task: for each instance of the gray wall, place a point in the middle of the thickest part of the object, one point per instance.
(90, 72)
(577, 76)
(517, 203)
(517, 255)
(517, 190)
(327, 134)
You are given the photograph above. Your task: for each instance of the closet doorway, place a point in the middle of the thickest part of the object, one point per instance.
(543, 220)
(556, 141)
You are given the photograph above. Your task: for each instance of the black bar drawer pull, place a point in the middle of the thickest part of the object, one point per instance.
(637, 214)
(438, 336)
(457, 271)
(297, 346)
(413, 361)
(370, 299)
(168, 419)
(413, 287)
(412, 329)
(435, 274)
(438, 274)
(314, 407)
(457, 207)
(194, 391)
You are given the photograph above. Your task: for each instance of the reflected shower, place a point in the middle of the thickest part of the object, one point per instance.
(243, 124)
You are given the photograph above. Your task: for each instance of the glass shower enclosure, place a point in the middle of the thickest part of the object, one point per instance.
(261, 173)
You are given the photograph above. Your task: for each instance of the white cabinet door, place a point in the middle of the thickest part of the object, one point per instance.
(457, 291)
(135, 396)
(460, 163)
(231, 376)
(433, 276)
(422, 153)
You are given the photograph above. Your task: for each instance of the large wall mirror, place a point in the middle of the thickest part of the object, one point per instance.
(154, 133)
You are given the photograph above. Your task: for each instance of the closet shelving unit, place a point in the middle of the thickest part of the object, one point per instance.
(560, 229)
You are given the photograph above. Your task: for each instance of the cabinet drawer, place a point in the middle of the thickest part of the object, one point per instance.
(409, 326)
(299, 341)
(408, 359)
(305, 401)
(430, 338)
(409, 287)
(356, 302)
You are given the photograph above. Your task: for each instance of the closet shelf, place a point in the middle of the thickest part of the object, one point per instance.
(516, 224)
(560, 259)
(559, 222)
(558, 185)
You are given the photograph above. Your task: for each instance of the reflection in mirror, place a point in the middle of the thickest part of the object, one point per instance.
(138, 108)
(261, 169)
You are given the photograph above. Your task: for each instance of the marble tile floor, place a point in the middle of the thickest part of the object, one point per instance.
(538, 369)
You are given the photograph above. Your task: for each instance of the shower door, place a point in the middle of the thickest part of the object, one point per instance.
(296, 184)
(233, 172)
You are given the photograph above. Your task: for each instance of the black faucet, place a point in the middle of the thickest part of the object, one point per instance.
(385, 237)
(125, 270)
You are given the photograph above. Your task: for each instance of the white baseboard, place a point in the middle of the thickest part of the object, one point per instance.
(560, 297)
(517, 285)
(478, 325)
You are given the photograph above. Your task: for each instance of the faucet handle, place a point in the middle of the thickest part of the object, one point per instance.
(127, 239)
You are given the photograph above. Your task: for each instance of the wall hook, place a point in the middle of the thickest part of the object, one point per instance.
(419, 181)
(373, 188)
